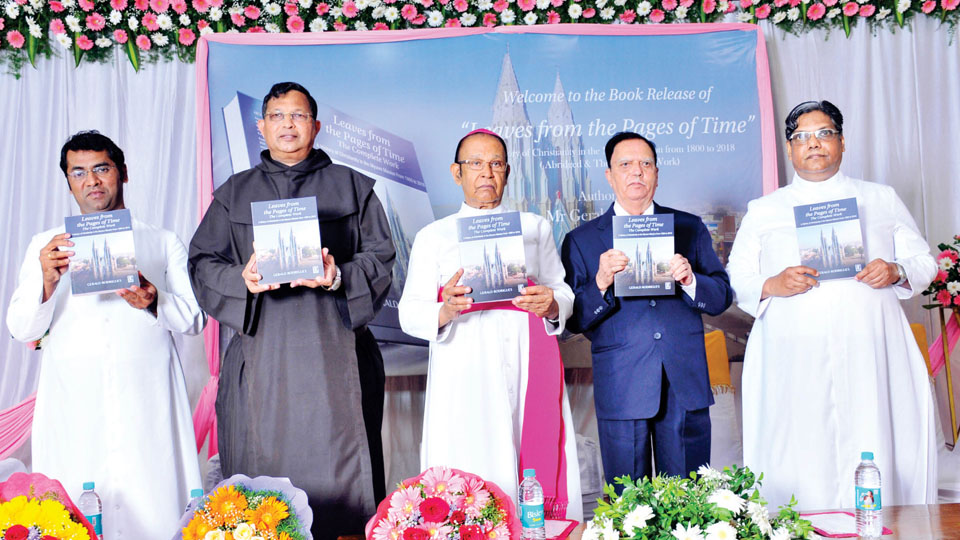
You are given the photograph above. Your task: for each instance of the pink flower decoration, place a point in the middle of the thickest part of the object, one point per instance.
(142, 5)
(419, 19)
(731, 7)
(179, 6)
(238, 19)
(21, 2)
(948, 254)
(143, 42)
(949, 5)
(850, 9)
(295, 24)
(120, 36)
(867, 10)
(589, 13)
(657, 15)
(159, 5)
(556, 3)
(349, 9)
(339, 26)
(929, 6)
(380, 26)
(202, 23)
(55, 6)
(186, 37)
(628, 16)
(745, 4)
(84, 43)
(762, 11)
(669, 5)
(489, 20)
(816, 11)
(216, 3)
(1, 23)
(96, 22)
(780, 3)
(956, 300)
(15, 39)
(256, 30)
(425, 3)
(251, 12)
(708, 6)
(500, 5)
(200, 5)
(149, 21)
(794, 3)
(829, 3)
(452, 23)
(56, 27)
(553, 17)
(85, 5)
(323, 8)
(686, 3)
(291, 9)
(462, 5)
(941, 276)
(408, 11)
(943, 296)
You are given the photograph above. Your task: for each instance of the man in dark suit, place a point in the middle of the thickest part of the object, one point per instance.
(651, 386)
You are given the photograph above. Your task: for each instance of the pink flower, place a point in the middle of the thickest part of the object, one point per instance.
(657, 15)
(425, 3)
(489, 20)
(380, 26)
(419, 19)
(851, 8)
(475, 497)
(500, 5)
(180, 6)
(15, 39)
(149, 20)
(143, 42)
(118, 5)
(291, 9)
(251, 12)
(56, 27)
(159, 5)
(556, 3)
(708, 6)
(949, 5)
(339, 26)
(462, 5)
(200, 5)
(120, 36)
(21, 2)
(669, 5)
(794, 3)
(628, 16)
(745, 4)
(553, 17)
(96, 22)
(1, 23)
(55, 6)
(686, 3)
(385, 529)
(255, 30)
(238, 19)
(216, 3)
(867, 10)
(84, 42)
(85, 5)
(780, 3)
(941, 276)
(186, 37)
(956, 300)
(202, 23)
(408, 11)
(323, 8)
(349, 9)
(141, 4)
(295, 24)
(829, 3)
(816, 11)
(452, 23)
(762, 11)
(944, 298)
(929, 6)
(589, 13)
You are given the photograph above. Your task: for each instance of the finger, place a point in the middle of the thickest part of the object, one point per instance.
(456, 290)
(807, 270)
(454, 279)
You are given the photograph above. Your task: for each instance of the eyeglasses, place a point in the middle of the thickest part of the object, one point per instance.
(478, 164)
(825, 134)
(99, 170)
(645, 164)
(297, 117)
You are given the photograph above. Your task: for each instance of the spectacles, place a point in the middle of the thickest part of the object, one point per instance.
(297, 117)
(478, 164)
(825, 134)
(644, 164)
(99, 170)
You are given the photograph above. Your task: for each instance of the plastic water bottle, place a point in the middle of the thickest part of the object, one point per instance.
(92, 508)
(531, 507)
(869, 514)
(195, 496)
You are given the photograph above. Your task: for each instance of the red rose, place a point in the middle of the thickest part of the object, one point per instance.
(471, 532)
(414, 533)
(16, 532)
(458, 517)
(434, 509)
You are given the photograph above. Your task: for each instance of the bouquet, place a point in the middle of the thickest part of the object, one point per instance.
(945, 288)
(710, 505)
(241, 508)
(445, 504)
(33, 506)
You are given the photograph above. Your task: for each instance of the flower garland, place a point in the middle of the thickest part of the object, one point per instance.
(148, 30)
(235, 511)
(945, 288)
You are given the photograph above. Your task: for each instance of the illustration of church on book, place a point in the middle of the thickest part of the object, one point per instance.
(831, 254)
(494, 272)
(288, 251)
(103, 263)
(643, 268)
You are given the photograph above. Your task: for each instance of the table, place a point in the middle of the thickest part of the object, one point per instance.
(922, 522)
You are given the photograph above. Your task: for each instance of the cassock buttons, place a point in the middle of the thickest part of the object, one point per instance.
(653, 303)
(656, 335)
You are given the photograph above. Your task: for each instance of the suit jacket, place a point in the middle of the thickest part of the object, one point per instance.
(634, 340)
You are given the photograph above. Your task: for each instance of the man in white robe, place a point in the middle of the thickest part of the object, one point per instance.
(111, 403)
(478, 373)
(831, 367)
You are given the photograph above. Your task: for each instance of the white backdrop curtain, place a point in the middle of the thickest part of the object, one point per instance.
(898, 92)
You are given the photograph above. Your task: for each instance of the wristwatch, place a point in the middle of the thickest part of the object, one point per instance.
(336, 282)
(901, 273)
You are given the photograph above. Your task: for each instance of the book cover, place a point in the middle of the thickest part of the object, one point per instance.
(244, 140)
(492, 256)
(287, 237)
(830, 238)
(648, 242)
(105, 258)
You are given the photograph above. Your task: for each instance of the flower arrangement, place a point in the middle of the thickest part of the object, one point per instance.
(241, 508)
(796, 16)
(443, 504)
(710, 505)
(35, 507)
(945, 288)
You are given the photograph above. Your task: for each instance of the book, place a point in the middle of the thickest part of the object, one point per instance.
(492, 256)
(830, 238)
(648, 242)
(105, 257)
(287, 237)
(835, 524)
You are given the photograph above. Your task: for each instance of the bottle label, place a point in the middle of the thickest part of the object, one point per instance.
(96, 522)
(868, 498)
(531, 516)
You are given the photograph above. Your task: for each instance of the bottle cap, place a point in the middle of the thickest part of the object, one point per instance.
(196, 492)
(866, 455)
(88, 485)
(529, 473)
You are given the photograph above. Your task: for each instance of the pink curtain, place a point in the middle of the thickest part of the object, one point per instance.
(936, 348)
(15, 424)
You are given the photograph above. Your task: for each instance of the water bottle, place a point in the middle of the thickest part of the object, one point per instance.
(531, 507)
(195, 495)
(91, 508)
(869, 514)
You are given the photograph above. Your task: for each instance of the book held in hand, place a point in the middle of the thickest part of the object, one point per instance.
(287, 237)
(648, 241)
(492, 256)
(830, 238)
(105, 258)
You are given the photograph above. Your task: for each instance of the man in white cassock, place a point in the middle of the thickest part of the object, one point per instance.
(479, 375)
(831, 367)
(111, 403)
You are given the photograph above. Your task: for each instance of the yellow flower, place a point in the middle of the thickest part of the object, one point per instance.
(226, 505)
(244, 531)
(53, 517)
(266, 516)
(198, 527)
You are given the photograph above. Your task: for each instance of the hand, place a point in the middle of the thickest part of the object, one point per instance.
(326, 280)
(453, 299)
(538, 299)
(878, 274)
(611, 262)
(54, 262)
(681, 269)
(252, 279)
(142, 297)
(792, 280)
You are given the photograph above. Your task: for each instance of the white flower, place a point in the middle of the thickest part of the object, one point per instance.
(543, 4)
(726, 499)
(434, 18)
(760, 517)
(273, 28)
(833, 13)
(600, 529)
(944, 263)
(691, 533)
(159, 39)
(574, 11)
(530, 18)
(378, 12)
(592, 532)
(723, 6)
(903, 5)
(681, 12)
(607, 13)
(468, 19)
(73, 23)
(235, 10)
(244, 531)
(36, 4)
(391, 14)
(206, 30)
(184, 20)
(643, 8)
(360, 26)
(13, 10)
(64, 41)
(953, 287)
(318, 25)
(793, 13)
(619, 2)
(34, 28)
(133, 23)
(484, 5)
(600, 3)
(721, 531)
(115, 17)
(103, 42)
(232, 31)
(215, 535)
(779, 16)
(709, 473)
(164, 21)
(882, 13)
(68, 3)
(336, 12)
(215, 14)
(507, 16)
(362, 4)
(782, 533)
(272, 8)
(637, 519)
(305, 4)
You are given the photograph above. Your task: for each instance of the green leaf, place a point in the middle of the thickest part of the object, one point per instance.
(32, 49)
(846, 25)
(133, 54)
(77, 52)
(899, 15)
